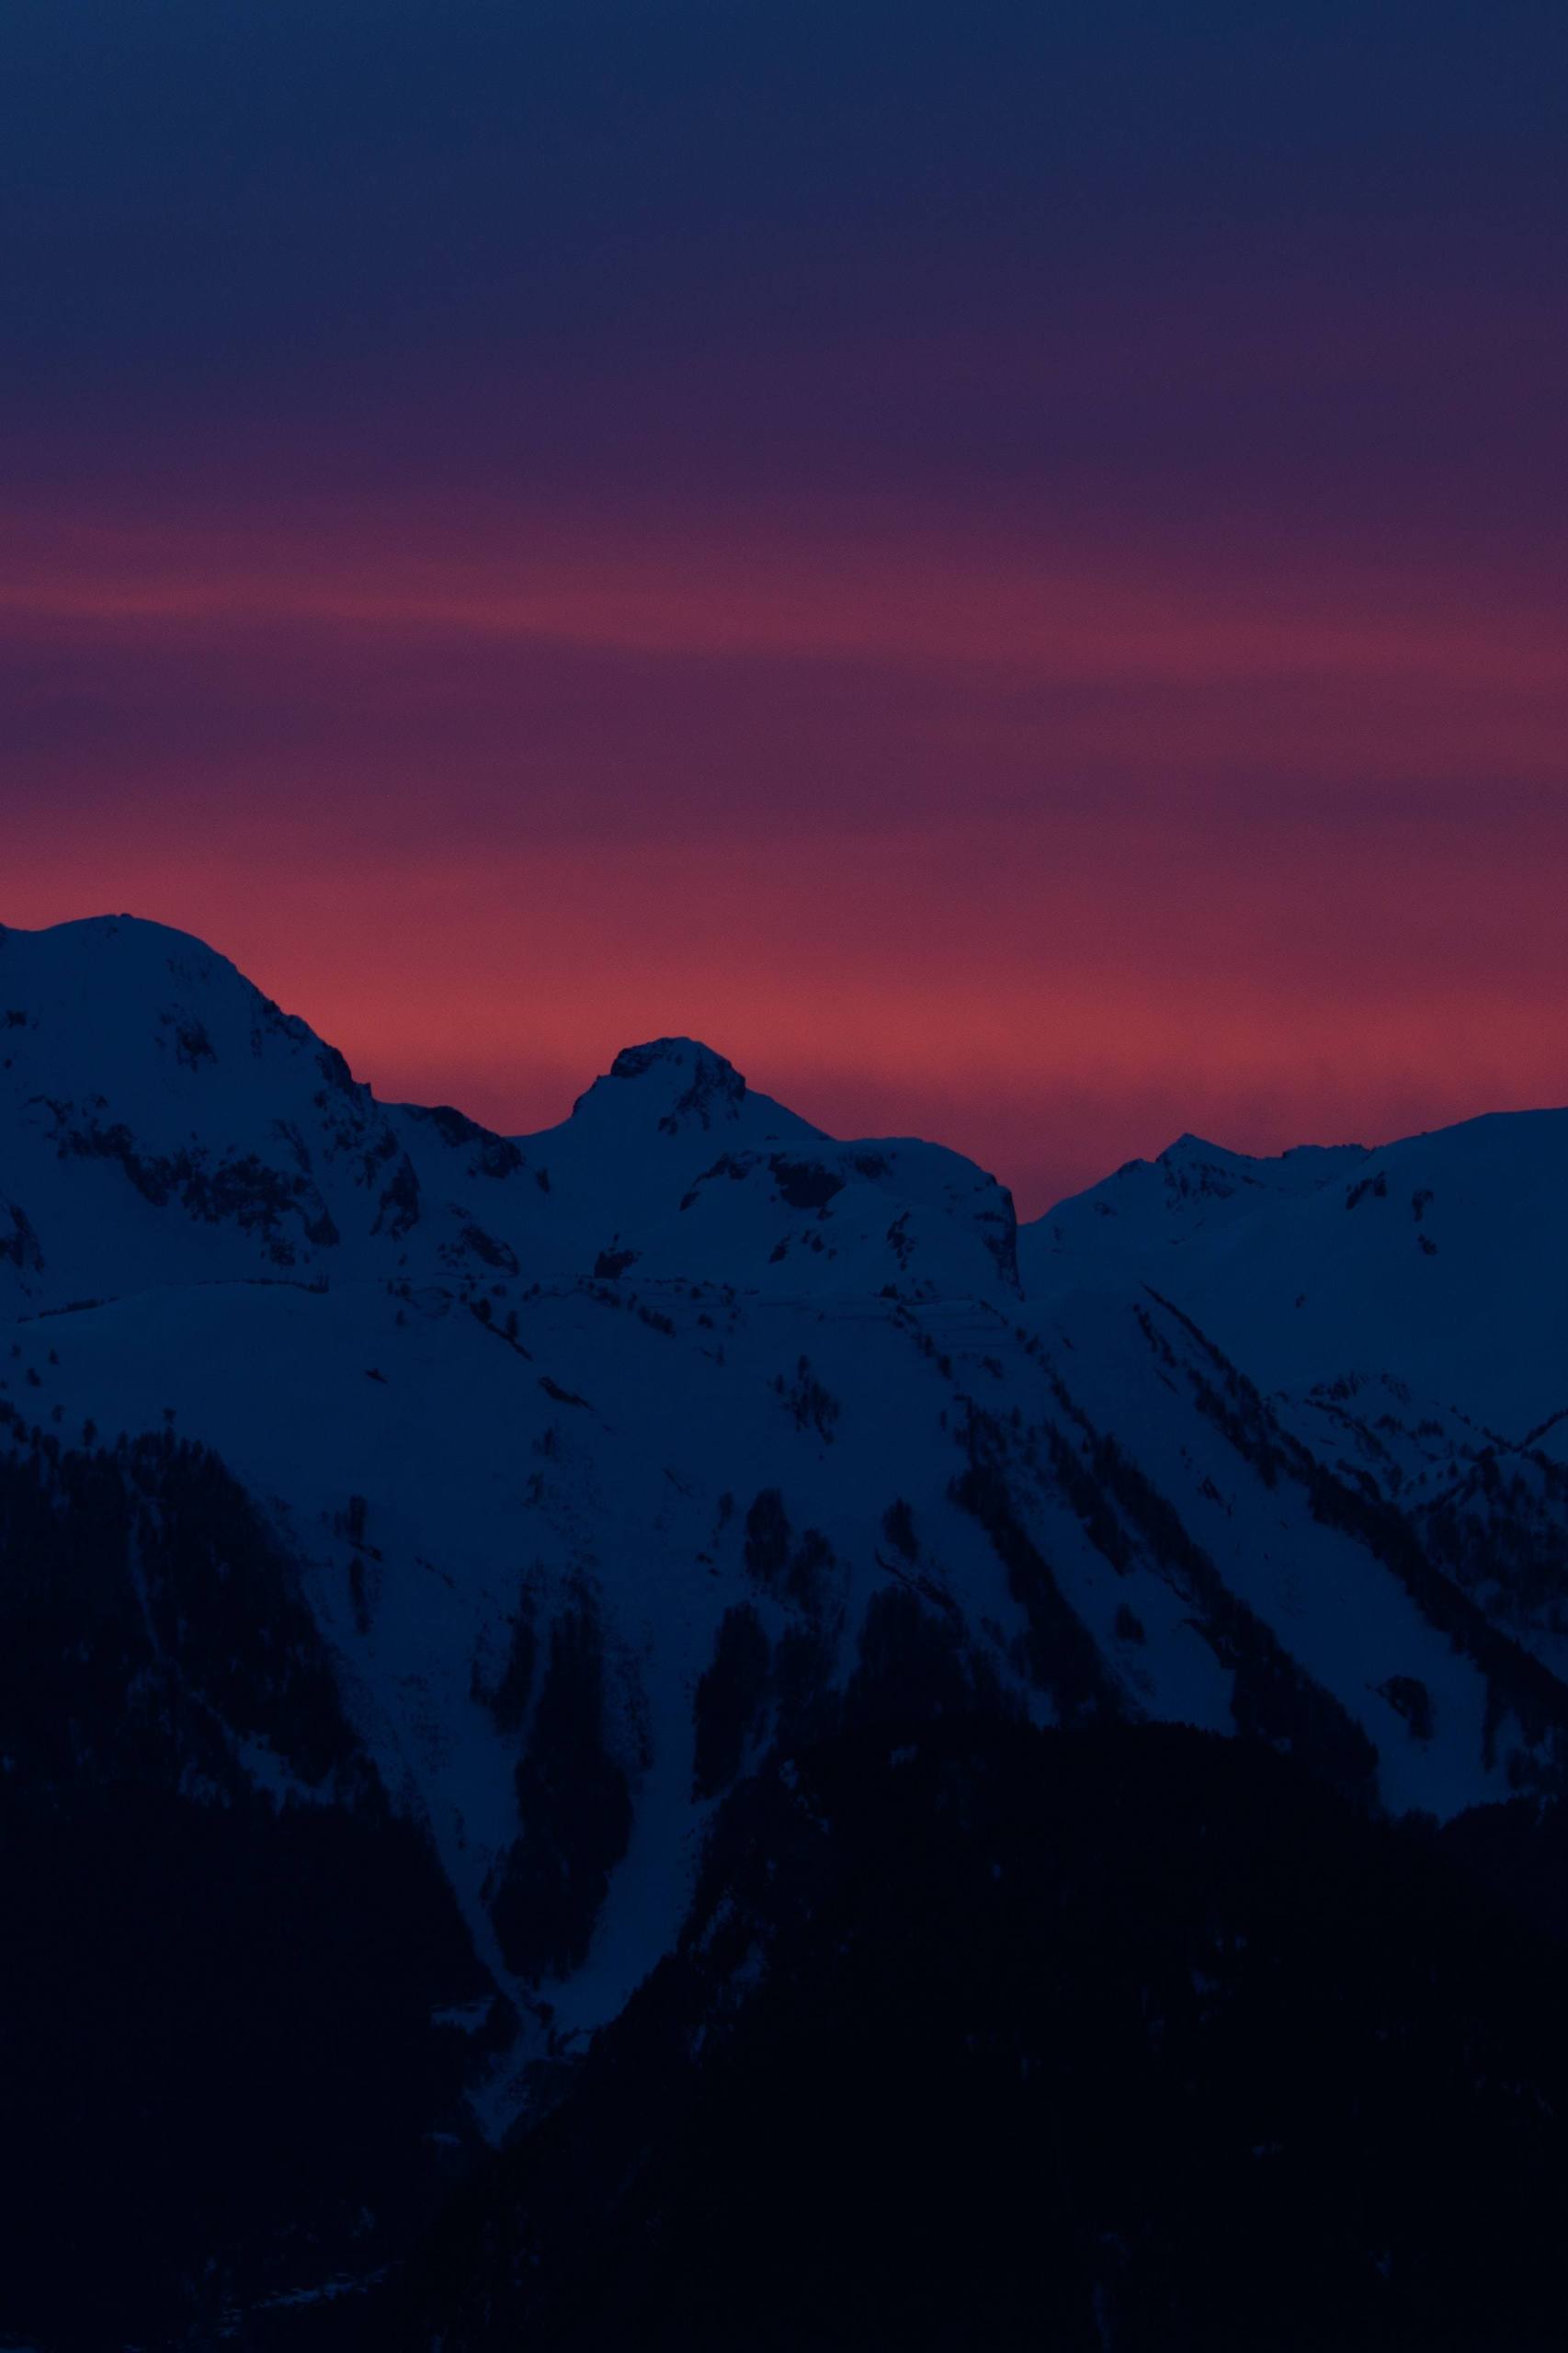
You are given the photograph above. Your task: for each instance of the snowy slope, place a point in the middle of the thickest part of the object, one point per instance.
(1440, 1261)
(665, 1457)
(165, 1123)
(1133, 1220)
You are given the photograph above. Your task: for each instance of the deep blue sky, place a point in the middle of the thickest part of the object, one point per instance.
(289, 205)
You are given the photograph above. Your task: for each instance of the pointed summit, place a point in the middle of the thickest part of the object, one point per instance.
(1191, 1147)
(679, 1088)
(696, 1086)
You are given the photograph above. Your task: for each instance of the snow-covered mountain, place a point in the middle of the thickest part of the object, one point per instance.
(166, 1124)
(1438, 1261)
(506, 1502)
(1402, 1309)
(1131, 1221)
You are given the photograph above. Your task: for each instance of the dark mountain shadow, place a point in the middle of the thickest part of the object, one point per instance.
(1125, 2037)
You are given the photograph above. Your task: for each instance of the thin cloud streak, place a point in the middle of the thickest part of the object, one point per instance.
(1063, 618)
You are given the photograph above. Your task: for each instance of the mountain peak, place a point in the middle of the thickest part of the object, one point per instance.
(687, 1055)
(138, 931)
(1191, 1147)
(686, 1084)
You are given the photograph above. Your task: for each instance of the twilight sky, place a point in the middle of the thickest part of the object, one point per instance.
(1002, 564)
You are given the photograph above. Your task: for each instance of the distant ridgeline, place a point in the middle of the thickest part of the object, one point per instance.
(671, 1733)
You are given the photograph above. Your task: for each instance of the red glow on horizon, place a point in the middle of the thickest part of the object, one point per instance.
(1049, 853)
